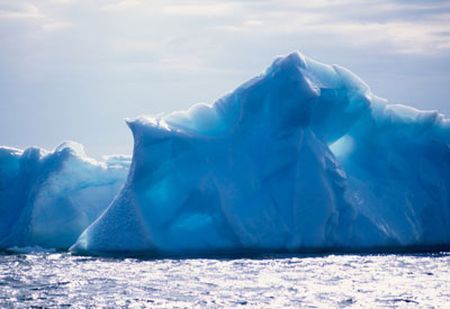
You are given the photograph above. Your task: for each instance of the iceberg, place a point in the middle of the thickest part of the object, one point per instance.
(48, 198)
(302, 158)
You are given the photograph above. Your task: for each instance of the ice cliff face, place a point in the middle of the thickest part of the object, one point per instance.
(303, 157)
(48, 198)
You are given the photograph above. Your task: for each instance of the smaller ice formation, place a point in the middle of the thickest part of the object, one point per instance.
(48, 198)
(301, 158)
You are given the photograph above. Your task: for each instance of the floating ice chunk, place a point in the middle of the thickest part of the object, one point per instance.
(48, 198)
(301, 158)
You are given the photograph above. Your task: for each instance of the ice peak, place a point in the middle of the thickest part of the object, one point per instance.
(291, 61)
(75, 148)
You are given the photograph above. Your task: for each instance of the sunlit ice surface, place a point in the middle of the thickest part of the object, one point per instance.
(58, 279)
(301, 158)
(320, 165)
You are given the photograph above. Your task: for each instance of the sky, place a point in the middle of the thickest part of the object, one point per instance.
(74, 70)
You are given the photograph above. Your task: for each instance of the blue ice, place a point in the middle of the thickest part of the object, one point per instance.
(48, 198)
(303, 157)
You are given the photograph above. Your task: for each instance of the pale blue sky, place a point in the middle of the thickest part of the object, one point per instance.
(74, 69)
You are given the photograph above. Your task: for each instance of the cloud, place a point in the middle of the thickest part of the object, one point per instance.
(121, 5)
(171, 33)
(60, 59)
(56, 25)
(202, 9)
(20, 11)
(403, 27)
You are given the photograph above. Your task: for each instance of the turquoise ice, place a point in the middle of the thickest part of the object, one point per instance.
(301, 158)
(48, 198)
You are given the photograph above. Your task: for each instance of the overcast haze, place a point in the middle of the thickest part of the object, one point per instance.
(74, 69)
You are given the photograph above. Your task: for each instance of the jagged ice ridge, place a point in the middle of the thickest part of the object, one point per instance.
(48, 198)
(302, 158)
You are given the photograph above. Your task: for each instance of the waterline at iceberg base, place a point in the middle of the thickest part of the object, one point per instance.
(302, 158)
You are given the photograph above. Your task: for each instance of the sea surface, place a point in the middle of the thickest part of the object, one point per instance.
(50, 279)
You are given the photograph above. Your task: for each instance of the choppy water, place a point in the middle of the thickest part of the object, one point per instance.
(55, 279)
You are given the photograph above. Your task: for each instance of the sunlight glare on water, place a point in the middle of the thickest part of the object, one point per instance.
(55, 279)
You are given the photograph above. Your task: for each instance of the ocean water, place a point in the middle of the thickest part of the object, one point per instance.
(59, 279)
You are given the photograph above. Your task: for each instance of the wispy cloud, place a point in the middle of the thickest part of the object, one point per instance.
(116, 32)
(121, 5)
(25, 12)
(202, 9)
(403, 27)
(126, 57)
(20, 11)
